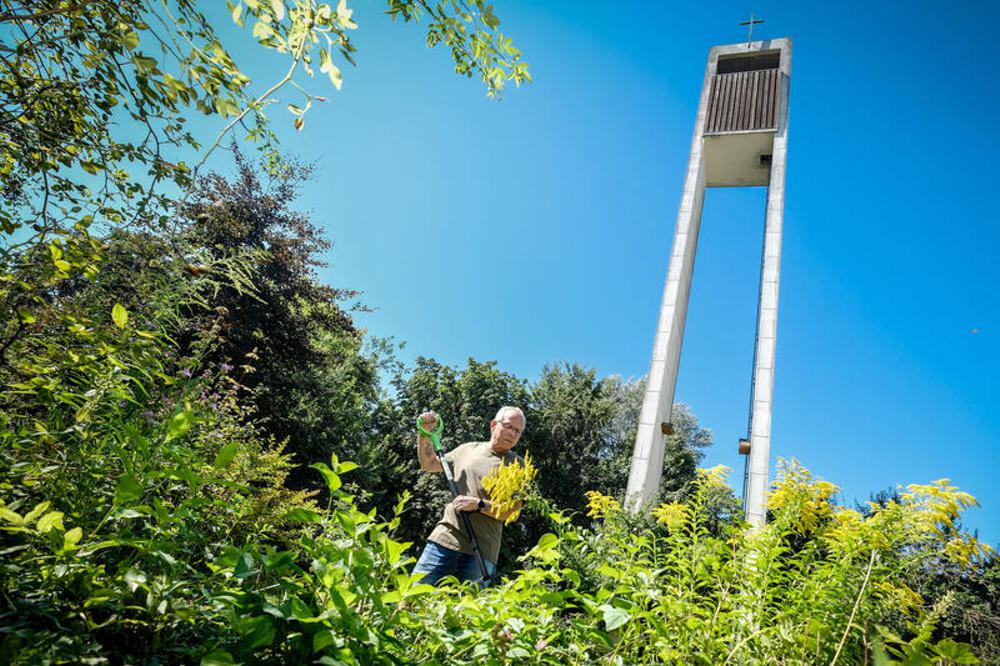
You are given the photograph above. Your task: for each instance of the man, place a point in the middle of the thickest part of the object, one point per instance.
(449, 549)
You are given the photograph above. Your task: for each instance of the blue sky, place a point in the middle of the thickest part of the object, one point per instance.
(537, 229)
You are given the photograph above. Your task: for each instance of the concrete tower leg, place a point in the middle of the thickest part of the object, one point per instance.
(647, 457)
(767, 326)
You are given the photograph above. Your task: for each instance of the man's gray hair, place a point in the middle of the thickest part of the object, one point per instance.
(503, 410)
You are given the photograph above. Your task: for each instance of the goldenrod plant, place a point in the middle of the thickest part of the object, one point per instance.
(509, 485)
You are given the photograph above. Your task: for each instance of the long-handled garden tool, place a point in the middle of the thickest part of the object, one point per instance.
(435, 438)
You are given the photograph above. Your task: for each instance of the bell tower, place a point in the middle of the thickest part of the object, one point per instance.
(740, 140)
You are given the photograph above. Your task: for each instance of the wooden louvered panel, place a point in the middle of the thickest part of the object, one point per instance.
(743, 101)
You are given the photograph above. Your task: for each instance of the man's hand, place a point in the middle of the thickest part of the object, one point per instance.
(425, 448)
(429, 420)
(465, 503)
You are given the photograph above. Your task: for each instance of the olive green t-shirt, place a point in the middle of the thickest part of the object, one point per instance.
(470, 464)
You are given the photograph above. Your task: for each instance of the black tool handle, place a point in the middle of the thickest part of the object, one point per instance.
(465, 518)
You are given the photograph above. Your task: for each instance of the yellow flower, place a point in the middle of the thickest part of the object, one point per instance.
(805, 501)
(601, 505)
(899, 597)
(672, 515)
(848, 529)
(965, 550)
(715, 476)
(507, 486)
(938, 505)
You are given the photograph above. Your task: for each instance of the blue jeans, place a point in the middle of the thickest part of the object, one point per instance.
(436, 562)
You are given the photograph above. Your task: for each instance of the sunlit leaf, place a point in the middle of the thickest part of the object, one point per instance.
(302, 515)
(278, 7)
(333, 481)
(33, 515)
(127, 490)
(11, 517)
(614, 617)
(179, 424)
(120, 315)
(71, 538)
(226, 455)
(50, 521)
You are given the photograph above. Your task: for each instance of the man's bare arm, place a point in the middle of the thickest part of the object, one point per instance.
(425, 448)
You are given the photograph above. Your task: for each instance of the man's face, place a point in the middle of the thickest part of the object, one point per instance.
(506, 431)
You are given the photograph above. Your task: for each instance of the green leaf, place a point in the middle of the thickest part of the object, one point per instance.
(304, 515)
(130, 513)
(33, 515)
(489, 18)
(262, 31)
(244, 566)
(323, 639)
(127, 490)
(547, 542)
(130, 39)
(333, 481)
(300, 611)
(614, 617)
(179, 424)
(71, 538)
(279, 561)
(955, 652)
(50, 521)
(344, 15)
(120, 315)
(217, 658)
(256, 631)
(166, 557)
(394, 550)
(134, 578)
(346, 466)
(26, 317)
(278, 7)
(238, 14)
(11, 517)
(62, 265)
(226, 455)
(326, 65)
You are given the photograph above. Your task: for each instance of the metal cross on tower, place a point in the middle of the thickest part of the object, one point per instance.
(750, 24)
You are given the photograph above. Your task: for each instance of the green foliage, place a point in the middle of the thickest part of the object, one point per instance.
(583, 431)
(123, 477)
(469, 28)
(311, 385)
(145, 518)
(183, 546)
(94, 94)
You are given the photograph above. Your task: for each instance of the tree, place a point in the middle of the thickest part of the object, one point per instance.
(307, 379)
(585, 433)
(93, 99)
(101, 86)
